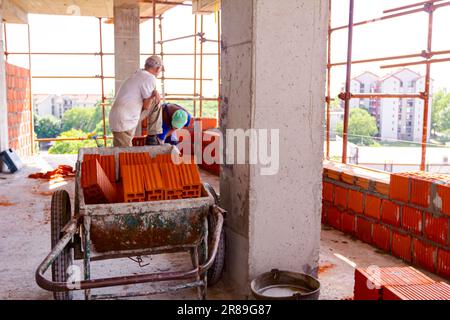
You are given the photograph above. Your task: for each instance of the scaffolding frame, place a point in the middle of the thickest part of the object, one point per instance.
(197, 80)
(428, 7)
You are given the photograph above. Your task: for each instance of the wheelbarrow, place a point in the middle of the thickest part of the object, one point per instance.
(113, 231)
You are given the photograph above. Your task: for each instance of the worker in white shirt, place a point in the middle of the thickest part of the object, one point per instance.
(137, 94)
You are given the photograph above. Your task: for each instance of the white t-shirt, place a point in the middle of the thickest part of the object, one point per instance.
(127, 107)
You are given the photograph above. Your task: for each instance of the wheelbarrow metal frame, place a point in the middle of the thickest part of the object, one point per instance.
(77, 233)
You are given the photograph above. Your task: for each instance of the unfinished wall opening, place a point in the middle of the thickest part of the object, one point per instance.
(387, 84)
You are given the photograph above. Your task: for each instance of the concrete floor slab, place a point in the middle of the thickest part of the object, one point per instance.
(25, 241)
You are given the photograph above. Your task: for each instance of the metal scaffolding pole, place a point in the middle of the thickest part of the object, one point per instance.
(348, 81)
(198, 77)
(328, 99)
(102, 79)
(219, 57)
(195, 66)
(201, 67)
(31, 90)
(163, 85)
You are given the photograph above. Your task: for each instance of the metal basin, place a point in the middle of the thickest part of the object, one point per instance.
(285, 285)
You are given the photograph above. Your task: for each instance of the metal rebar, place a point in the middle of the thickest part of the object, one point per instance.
(195, 66)
(328, 100)
(102, 79)
(201, 69)
(348, 81)
(31, 91)
(427, 90)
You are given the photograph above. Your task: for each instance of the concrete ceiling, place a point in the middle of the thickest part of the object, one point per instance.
(14, 9)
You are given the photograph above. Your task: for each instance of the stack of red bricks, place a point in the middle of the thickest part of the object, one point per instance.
(19, 110)
(407, 214)
(155, 179)
(209, 139)
(397, 283)
(142, 178)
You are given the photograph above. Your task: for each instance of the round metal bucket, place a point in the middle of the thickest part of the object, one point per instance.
(285, 285)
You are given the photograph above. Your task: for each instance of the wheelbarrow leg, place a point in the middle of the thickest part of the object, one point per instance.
(201, 290)
(87, 254)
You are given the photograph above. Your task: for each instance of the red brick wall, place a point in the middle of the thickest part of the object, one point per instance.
(406, 215)
(19, 114)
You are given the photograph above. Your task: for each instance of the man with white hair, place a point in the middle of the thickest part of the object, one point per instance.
(137, 94)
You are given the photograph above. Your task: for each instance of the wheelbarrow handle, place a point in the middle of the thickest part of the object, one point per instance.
(219, 213)
(69, 231)
(124, 280)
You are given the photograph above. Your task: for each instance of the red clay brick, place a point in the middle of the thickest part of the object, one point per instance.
(364, 230)
(412, 220)
(328, 191)
(382, 187)
(173, 188)
(436, 229)
(371, 282)
(382, 237)
(334, 218)
(390, 213)
(190, 179)
(348, 223)
(108, 164)
(356, 201)
(348, 178)
(153, 184)
(399, 187)
(325, 208)
(432, 291)
(424, 255)
(97, 189)
(420, 191)
(401, 246)
(133, 183)
(341, 195)
(444, 195)
(372, 207)
(443, 264)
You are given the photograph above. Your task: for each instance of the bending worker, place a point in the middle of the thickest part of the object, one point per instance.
(174, 117)
(137, 93)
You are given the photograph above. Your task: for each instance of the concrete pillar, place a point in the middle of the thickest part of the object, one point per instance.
(274, 62)
(3, 92)
(126, 37)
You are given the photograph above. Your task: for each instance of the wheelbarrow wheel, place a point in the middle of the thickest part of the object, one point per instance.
(60, 216)
(216, 270)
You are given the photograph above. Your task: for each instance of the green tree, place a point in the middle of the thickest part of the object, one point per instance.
(99, 128)
(47, 126)
(440, 115)
(78, 118)
(71, 147)
(361, 128)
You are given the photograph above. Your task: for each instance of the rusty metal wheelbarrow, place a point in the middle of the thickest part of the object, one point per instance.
(113, 231)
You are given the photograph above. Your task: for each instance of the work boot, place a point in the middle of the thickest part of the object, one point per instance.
(151, 141)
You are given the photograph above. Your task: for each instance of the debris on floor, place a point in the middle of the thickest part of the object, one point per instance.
(62, 171)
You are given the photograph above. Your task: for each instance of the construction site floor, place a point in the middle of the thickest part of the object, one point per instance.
(25, 241)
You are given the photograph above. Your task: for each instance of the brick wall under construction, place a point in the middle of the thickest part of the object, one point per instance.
(406, 215)
(19, 110)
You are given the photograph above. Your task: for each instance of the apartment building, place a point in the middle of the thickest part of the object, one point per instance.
(397, 119)
(57, 105)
